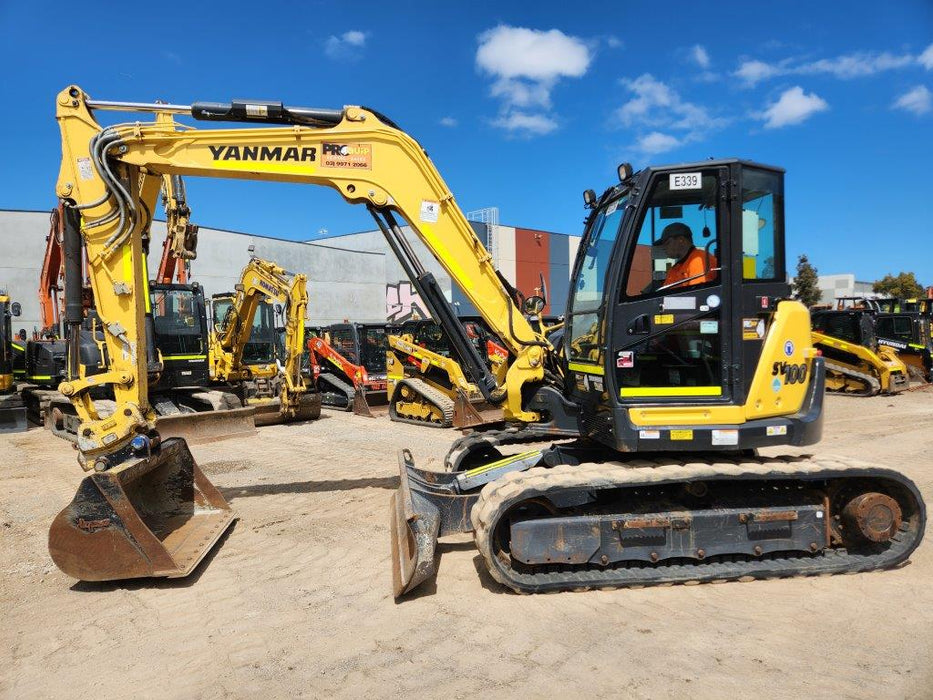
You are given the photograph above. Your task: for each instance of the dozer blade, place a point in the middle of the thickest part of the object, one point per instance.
(155, 516)
(208, 426)
(12, 414)
(269, 411)
(371, 404)
(427, 505)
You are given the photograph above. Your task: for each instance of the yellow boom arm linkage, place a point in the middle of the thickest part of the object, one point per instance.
(113, 176)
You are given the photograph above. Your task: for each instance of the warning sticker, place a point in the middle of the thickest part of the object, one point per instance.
(777, 430)
(355, 156)
(663, 319)
(709, 327)
(681, 435)
(429, 211)
(725, 437)
(85, 171)
(753, 328)
(625, 359)
(649, 434)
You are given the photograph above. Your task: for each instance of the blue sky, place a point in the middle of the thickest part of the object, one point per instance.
(522, 106)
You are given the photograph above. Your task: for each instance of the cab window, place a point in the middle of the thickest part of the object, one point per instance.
(678, 238)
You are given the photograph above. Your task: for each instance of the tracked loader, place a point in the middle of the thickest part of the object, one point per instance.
(428, 386)
(856, 362)
(655, 404)
(352, 361)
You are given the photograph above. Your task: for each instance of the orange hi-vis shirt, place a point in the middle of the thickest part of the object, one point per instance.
(694, 264)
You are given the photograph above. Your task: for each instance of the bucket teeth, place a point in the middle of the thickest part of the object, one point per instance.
(155, 516)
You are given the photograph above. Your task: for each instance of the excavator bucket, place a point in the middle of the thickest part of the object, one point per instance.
(372, 404)
(425, 506)
(469, 415)
(208, 426)
(153, 516)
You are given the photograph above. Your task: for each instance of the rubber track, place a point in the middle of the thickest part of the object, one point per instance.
(497, 497)
(346, 389)
(463, 447)
(431, 395)
(874, 384)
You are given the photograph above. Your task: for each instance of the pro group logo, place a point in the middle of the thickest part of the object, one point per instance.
(358, 156)
(305, 154)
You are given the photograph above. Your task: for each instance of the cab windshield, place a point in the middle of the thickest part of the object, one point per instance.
(588, 294)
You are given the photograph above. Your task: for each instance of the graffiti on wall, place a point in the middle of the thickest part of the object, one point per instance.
(403, 303)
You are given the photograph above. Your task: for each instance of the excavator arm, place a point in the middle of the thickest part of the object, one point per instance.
(111, 176)
(181, 236)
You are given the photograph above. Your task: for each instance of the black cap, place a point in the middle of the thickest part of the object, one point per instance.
(674, 230)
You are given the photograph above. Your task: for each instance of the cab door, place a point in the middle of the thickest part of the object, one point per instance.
(670, 339)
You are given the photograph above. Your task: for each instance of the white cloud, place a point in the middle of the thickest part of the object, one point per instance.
(527, 64)
(846, 67)
(449, 122)
(516, 52)
(656, 142)
(526, 124)
(753, 72)
(794, 106)
(700, 56)
(346, 46)
(613, 42)
(919, 101)
(926, 58)
(657, 104)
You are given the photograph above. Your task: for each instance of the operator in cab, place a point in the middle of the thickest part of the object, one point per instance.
(693, 266)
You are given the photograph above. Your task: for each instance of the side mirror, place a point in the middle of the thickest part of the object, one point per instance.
(533, 305)
(16, 309)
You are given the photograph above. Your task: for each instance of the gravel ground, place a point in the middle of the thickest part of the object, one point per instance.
(295, 600)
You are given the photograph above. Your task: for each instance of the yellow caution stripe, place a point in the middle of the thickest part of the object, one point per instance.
(501, 463)
(671, 391)
(587, 369)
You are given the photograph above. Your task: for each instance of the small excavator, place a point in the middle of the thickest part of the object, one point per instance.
(654, 405)
(352, 361)
(428, 386)
(12, 410)
(260, 281)
(857, 364)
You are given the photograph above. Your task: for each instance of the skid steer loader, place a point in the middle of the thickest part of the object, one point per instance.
(352, 361)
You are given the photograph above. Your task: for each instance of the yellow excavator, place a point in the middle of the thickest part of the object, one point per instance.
(652, 476)
(12, 409)
(292, 400)
(426, 386)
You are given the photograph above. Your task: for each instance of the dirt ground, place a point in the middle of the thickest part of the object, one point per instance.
(296, 600)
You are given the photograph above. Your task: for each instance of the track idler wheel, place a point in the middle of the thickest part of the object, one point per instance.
(872, 517)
